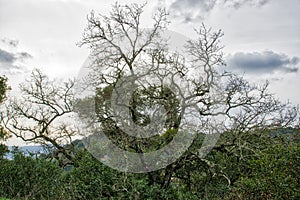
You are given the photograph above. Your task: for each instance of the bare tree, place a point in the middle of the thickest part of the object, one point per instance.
(41, 113)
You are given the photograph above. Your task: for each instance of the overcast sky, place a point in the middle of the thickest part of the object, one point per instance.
(262, 37)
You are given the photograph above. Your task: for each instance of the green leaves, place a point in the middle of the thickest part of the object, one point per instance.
(28, 177)
(273, 174)
(3, 88)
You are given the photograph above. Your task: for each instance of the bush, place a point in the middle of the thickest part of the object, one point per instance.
(273, 175)
(28, 177)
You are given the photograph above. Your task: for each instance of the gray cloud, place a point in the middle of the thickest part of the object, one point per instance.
(239, 3)
(10, 42)
(191, 10)
(263, 62)
(6, 57)
(10, 61)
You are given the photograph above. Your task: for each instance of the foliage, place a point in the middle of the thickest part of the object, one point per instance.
(3, 88)
(28, 177)
(271, 173)
(88, 179)
(274, 174)
(3, 133)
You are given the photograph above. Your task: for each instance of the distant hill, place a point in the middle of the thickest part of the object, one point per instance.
(27, 150)
(290, 133)
(39, 149)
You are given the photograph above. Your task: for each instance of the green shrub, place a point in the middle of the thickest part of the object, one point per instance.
(273, 175)
(28, 177)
